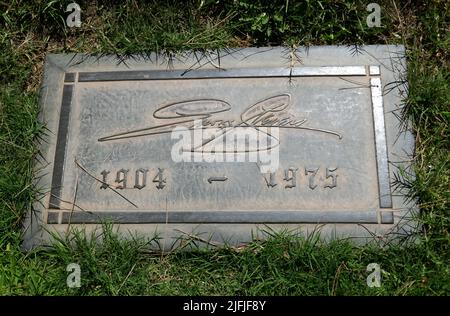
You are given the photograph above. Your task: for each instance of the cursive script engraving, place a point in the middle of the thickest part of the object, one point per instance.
(270, 112)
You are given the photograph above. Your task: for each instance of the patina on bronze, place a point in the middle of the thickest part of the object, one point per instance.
(331, 119)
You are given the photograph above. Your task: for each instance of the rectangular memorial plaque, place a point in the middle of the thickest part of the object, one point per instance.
(224, 144)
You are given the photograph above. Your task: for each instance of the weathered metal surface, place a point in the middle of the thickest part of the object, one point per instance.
(327, 144)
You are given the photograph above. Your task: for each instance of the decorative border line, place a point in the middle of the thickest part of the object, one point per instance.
(60, 151)
(221, 73)
(384, 188)
(69, 77)
(211, 217)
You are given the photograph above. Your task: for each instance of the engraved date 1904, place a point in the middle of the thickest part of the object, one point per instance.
(140, 179)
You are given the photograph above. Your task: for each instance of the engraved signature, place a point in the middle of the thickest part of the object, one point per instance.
(268, 113)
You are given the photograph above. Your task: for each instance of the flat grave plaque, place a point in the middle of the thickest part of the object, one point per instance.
(223, 144)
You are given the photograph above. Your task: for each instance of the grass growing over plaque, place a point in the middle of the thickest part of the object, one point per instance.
(284, 264)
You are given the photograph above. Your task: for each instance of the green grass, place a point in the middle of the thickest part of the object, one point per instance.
(284, 264)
